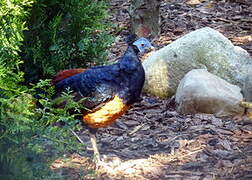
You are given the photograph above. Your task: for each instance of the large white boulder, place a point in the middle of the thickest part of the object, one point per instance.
(202, 92)
(203, 48)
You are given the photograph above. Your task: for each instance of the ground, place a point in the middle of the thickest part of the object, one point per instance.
(152, 141)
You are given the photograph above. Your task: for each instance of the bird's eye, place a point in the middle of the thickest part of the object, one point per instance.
(142, 45)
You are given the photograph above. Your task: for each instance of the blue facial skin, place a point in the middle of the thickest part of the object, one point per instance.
(143, 45)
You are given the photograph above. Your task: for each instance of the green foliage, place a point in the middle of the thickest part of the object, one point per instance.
(65, 34)
(12, 24)
(31, 136)
(14, 114)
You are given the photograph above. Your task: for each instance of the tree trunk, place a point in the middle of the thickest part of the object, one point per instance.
(144, 17)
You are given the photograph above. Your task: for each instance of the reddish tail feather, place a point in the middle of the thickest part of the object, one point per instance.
(65, 74)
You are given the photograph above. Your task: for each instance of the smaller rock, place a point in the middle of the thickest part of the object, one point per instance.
(202, 92)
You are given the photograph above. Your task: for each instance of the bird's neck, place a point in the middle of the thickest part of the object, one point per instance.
(131, 51)
(130, 60)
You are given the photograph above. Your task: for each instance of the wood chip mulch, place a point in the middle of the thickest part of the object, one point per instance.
(152, 141)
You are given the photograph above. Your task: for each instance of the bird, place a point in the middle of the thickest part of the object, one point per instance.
(106, 91)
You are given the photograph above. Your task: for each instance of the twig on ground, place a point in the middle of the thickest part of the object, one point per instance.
(137, 128)
(79, 139)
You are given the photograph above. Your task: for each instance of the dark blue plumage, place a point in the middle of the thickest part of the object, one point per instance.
(101, 83)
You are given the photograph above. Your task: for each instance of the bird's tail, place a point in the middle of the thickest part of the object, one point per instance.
(65, 74)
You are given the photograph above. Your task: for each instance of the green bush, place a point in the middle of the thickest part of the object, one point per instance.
(12, 25)
(65, 34)
(14, 114)
(61, 34)
(31, 138)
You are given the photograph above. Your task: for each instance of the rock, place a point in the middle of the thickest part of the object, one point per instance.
(204, 48)
(202, 92)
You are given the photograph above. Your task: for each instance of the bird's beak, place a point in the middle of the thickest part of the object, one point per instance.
(146, 50)
(151, 48)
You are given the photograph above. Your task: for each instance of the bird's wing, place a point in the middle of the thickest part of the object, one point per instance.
(96, 85)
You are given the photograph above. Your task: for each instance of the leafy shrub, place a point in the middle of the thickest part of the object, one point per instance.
(12, 23)
(31, 138)
(65, 34)
(14, 114)
(27, 137)
(12, 18)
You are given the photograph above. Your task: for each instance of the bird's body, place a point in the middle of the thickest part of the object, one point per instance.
(108, 91)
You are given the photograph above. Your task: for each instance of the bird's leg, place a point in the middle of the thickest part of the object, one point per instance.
(92, 134)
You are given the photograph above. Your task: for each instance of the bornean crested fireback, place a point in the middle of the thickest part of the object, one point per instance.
(108, 91)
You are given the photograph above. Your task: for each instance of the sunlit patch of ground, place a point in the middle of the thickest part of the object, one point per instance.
(74, 167)
(153, 167)
(194, 2)
(242, 39)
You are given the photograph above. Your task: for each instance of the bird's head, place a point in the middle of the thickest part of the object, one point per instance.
(141, 45)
